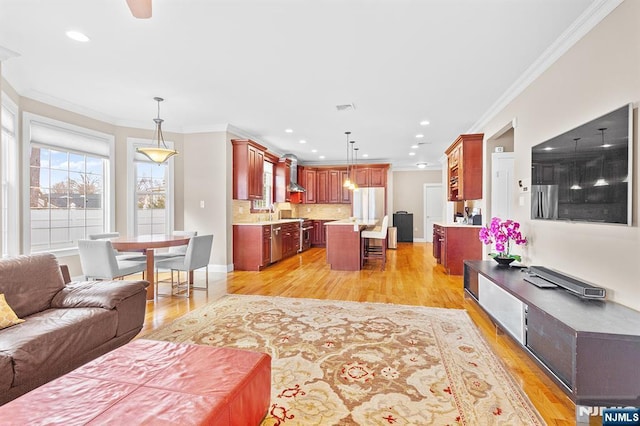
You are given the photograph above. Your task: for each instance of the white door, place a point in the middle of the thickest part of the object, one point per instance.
(433, 206)
(502, 185)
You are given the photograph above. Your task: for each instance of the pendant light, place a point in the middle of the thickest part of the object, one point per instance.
(347, 181)
(354, 186)
(158, 154)
(576, 181)
(601, 180)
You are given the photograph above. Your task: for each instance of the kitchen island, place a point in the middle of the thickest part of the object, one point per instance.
(343, 243)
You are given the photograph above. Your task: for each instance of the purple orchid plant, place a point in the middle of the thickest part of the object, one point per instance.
(502, 234)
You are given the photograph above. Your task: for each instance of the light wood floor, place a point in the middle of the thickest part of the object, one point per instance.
(411, 277)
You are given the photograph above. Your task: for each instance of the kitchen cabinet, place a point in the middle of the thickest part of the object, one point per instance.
(464, 168)
(283, 177)
(453, 244)
(290, 239)
(308, 178)
(334, 187)
(251, 247)
(345, 193)
(248, 169)
(319, 237)
(322, 186)
(371, 176)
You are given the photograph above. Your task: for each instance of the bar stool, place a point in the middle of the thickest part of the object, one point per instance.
(374, 251)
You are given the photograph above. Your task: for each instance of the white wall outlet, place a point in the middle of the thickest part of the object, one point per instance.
(202, 204)
(339, 210)
(308, 209)
(521, 200)
(241, 210)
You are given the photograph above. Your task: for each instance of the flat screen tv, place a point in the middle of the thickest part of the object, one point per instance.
(584, 174)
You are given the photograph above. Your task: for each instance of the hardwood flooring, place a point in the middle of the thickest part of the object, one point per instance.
(411, 277)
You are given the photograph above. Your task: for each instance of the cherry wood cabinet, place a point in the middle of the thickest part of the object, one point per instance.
(334, 187)
(464, 165)
(368, 176)
(308, 180)
(251, 247)
(345, 193)
(322, 186)
(319, 236)
(282, 178)
(248, 169)
(454, 244)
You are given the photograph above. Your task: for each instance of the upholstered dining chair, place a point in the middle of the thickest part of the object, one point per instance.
(120, 255)
(98, 260)
(196, 257)
(176, 250)
(377, 250)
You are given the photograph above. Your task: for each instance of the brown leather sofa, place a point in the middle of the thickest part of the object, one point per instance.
(66, 324)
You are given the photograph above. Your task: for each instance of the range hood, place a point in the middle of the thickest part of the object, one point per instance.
(293, 182)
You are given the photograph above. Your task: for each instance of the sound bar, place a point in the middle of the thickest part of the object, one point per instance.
(578, 287)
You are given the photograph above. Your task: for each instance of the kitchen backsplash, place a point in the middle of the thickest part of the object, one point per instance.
(242, 211)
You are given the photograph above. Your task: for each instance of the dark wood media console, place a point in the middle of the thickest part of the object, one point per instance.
(590, 348)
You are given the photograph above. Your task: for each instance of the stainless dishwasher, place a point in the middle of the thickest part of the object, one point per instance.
(276, 243)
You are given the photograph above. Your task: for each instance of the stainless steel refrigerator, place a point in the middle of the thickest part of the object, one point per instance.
(368, 204)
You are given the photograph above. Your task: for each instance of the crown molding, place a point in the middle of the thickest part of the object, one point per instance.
(591, 17)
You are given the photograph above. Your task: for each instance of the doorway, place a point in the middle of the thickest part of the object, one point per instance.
(433, 208)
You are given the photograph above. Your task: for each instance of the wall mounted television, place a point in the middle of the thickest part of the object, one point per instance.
(585, 174)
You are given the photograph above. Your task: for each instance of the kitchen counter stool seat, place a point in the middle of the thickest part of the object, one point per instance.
(378, 250)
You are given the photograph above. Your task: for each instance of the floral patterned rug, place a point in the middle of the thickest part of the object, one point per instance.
(348, 363)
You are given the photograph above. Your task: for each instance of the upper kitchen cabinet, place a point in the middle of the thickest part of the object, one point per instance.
(464, 158)
(371, 175)
(248, 169)
(308, 179)
(283, 177)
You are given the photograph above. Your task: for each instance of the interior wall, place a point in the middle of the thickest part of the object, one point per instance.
(207, 202)
(598, 74)
(408, 188)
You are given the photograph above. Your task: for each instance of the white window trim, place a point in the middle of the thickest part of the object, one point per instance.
(132, 144)
(29, 118)
(13, 194)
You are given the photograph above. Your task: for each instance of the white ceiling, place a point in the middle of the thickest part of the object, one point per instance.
(267, 65)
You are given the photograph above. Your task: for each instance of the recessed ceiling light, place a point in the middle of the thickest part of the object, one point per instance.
(303, 141)
(288, 130)
(365, 155)
(77, 36)
(424, 123)
(422, 165)
(314, 150)
(414, 146)
(419, 136)
(412, 153)
(321, 157)
(606, 145)
(548, 148)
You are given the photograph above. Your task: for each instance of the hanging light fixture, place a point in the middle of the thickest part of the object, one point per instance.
(354, 186)
(347, 181)
(576, 181)
(601, 180)
(158, 154)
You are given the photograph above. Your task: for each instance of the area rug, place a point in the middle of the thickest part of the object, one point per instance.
(349, 363)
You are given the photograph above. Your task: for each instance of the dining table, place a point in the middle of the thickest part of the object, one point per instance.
(147, 245)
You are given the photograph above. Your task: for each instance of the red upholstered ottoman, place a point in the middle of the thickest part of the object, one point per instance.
(150, 382)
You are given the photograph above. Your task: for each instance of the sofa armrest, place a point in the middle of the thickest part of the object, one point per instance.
(97, 294)
(65, 274)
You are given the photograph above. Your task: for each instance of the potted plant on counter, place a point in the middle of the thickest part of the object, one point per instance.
(502, 233)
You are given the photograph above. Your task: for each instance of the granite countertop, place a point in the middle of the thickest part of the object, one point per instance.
(267, 222)
(457, 225)
(352, 222)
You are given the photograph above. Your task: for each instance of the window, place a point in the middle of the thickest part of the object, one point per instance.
(151, 198)
(150, 193)
(8, 180)
(69, 185)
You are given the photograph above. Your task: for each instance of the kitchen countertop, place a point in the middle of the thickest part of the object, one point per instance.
(268, 222)
(352, 222)
(457, 225)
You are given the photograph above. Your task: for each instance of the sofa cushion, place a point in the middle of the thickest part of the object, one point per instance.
(96, 294)
(7, 316)
(54, 338)
(30, 282)
(6, 371)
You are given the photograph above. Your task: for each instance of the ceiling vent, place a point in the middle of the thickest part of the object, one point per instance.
(346, 107)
